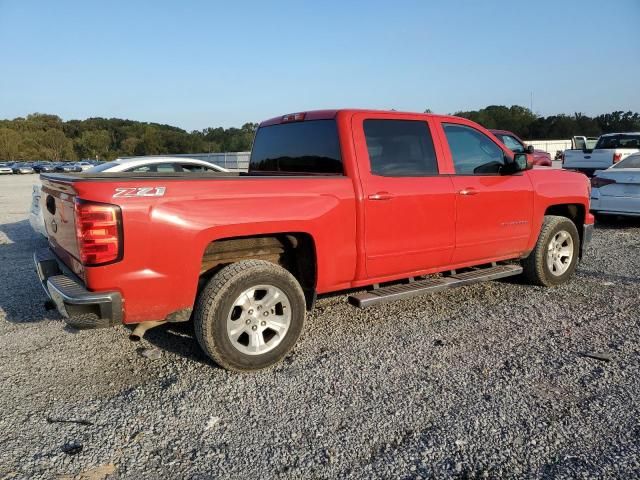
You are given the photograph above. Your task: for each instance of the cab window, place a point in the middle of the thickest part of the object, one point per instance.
(400, 148)
(473, 153)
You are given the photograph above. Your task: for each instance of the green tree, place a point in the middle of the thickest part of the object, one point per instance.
(54, 145)
(10, 144)
(93, 144)
(150, 143)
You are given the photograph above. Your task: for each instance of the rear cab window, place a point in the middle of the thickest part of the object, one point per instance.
(618, 141)
(297, 148)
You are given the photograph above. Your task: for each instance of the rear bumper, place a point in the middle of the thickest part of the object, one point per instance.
(74, 302)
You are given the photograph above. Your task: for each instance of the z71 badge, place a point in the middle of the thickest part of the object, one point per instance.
(130, 192)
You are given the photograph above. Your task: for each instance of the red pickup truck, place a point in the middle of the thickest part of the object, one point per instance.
(393, 204)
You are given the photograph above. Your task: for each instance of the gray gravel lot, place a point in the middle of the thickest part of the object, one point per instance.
(485, 381)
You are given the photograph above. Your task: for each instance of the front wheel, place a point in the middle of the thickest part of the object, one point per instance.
(555, 256)
(249, 315)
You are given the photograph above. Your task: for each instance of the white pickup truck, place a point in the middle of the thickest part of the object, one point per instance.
(610, 149)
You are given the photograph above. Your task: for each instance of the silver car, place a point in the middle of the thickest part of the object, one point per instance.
(23, 168)
(157, 164)
(616, 190)
(5, 169)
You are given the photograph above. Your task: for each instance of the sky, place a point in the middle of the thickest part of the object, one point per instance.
(198, 64)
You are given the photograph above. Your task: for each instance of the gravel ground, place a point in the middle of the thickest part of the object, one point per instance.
(489, 381)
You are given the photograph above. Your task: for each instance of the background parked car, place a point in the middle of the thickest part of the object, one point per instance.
(516, 145)
(44, 167)
(84, 165)
(22, 168)
(611, 148)
(578, 142)
(157, 164)
(68, 167)
(5, 169)
(616, 190)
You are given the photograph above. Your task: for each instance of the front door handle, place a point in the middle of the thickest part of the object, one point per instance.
(468, 191)
(380, 196)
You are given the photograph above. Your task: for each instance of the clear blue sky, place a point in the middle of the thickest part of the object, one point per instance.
(195, 64)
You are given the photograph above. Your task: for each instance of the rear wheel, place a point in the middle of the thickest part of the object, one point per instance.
(554, 258)
(250, 315)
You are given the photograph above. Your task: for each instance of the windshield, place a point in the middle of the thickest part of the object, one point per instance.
(309, 147)
(619, 141)
(510, 142)
(632, 161)
(102, 167)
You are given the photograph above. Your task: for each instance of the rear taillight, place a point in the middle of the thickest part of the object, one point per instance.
(99, 232)
(617, 157)
(597, 182)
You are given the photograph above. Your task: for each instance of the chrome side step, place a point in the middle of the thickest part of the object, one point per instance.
(430, 285)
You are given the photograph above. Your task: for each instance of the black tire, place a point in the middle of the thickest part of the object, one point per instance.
(216, 300)
(536, 268)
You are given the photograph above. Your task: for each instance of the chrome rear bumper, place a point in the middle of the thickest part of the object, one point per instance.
(74, 302)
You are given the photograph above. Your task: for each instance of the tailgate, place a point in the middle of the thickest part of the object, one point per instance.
(58, 212)
(596, 159)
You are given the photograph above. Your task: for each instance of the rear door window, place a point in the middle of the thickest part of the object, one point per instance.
(400, 148)
(473, 153)
(307, 147)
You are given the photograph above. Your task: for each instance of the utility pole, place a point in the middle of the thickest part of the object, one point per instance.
(531, 104)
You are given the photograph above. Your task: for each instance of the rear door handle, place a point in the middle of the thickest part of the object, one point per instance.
(468, 191)
(380, 196)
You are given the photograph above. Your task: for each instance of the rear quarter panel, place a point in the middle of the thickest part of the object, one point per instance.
(165, 237)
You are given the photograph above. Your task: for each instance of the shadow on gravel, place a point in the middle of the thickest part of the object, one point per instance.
(617, 223)
(609, 277)
(180, 339)
(22, 297)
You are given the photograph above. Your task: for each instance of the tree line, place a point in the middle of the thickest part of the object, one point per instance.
(527, 125)
(47, 137)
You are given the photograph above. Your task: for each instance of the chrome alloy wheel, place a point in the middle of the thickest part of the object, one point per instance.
(259, 319)
(560, 253)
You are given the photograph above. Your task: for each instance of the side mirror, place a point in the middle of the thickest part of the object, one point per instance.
(530, 149)
(520, 162)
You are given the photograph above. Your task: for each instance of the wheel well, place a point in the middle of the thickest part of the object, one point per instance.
(293, 251)
(574, 212)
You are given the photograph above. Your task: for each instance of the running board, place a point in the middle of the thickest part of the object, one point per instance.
(430, 285)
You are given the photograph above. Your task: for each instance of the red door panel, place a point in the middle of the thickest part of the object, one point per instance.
(412, 228)
(409, 218)
(493, 216)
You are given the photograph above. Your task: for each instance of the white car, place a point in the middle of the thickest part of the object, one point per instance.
(616, 190)
(85, 165)
(132, 165)
(157, 164)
